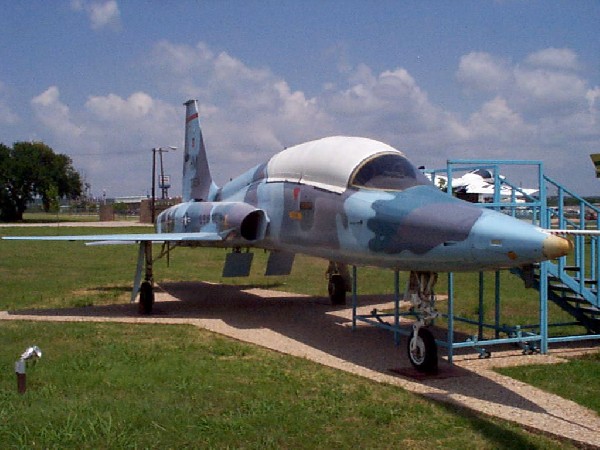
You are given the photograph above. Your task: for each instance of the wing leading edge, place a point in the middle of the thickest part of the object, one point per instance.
(118, 238)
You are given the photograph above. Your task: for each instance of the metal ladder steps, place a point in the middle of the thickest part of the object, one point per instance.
(587, 280)
(565, 268)
(573, 299)
(590, 310)
(567, 294)
(556, 283)
(560, 287)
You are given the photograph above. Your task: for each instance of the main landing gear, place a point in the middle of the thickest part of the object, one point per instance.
(146, 298)
(340, 282)
(422, 349)
(145, 288)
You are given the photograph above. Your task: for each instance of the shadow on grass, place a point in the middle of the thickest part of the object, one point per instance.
(311, 321)
(109, 289)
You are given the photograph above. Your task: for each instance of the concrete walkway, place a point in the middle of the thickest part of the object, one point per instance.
(310, 328)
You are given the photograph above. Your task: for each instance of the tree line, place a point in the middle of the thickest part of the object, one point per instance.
(30, 170)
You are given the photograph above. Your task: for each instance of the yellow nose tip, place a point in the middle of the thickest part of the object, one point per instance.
(556, 246)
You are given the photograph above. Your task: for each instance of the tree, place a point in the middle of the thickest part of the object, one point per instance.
(31, 169)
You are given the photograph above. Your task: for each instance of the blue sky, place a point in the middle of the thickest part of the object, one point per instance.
(104, 81)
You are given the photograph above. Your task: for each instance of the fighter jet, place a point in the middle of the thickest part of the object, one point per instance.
(479, 184)
(350, 200)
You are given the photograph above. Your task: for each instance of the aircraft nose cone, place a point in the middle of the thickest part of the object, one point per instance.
(556, 246)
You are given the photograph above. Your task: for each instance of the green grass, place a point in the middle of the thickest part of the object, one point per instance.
(160, 386)
(51, 274)
(577, 379)
(42, 217)
(76, 396)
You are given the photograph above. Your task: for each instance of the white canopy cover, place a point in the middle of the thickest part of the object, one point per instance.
(325, 163)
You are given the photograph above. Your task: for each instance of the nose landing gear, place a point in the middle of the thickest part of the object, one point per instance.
(422, 349)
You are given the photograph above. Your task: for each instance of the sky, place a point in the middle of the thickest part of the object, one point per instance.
(105, 81)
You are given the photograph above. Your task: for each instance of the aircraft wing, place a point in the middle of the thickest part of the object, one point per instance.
(479, 189)
(126, 238)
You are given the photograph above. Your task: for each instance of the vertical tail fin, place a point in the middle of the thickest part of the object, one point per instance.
(197, 181)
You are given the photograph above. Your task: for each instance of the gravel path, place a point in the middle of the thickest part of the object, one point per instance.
(310, 328)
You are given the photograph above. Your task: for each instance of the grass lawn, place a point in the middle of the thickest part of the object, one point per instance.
(116, 386)
(42, 217)
(578, 379)
(125, 386)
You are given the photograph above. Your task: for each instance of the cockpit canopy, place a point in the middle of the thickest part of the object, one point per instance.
(483, 173)
(339, 162)
(387, 172)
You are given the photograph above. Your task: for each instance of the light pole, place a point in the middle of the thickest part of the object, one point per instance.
(159, 150)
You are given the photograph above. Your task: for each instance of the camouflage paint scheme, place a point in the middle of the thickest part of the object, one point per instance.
(417, 228)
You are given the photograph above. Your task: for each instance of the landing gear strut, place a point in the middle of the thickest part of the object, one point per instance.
(340, 282)
(422, 349)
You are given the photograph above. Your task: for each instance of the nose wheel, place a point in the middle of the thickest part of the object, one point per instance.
(422, 351)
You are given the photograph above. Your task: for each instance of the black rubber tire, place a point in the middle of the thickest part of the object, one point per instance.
(425, 358)
(146, 298)
(337, 290)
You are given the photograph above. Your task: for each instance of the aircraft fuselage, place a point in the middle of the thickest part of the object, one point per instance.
(419, 228)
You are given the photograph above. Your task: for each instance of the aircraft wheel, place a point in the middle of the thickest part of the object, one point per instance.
(146, 298)
(337, 290)
(424, 356)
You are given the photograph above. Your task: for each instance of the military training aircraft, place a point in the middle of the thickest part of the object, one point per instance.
(481, 183)
(350, 200)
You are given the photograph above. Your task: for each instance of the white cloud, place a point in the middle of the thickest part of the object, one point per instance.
(257, 113)
(481, 71)
(391, 107)
(111, 139)
(550, 87)
(102, 14)
(115, 108)
(139, 120)
(498, 121)
(54, 114)
(554, 58)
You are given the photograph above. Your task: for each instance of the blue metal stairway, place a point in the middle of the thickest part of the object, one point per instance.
(571, 282)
